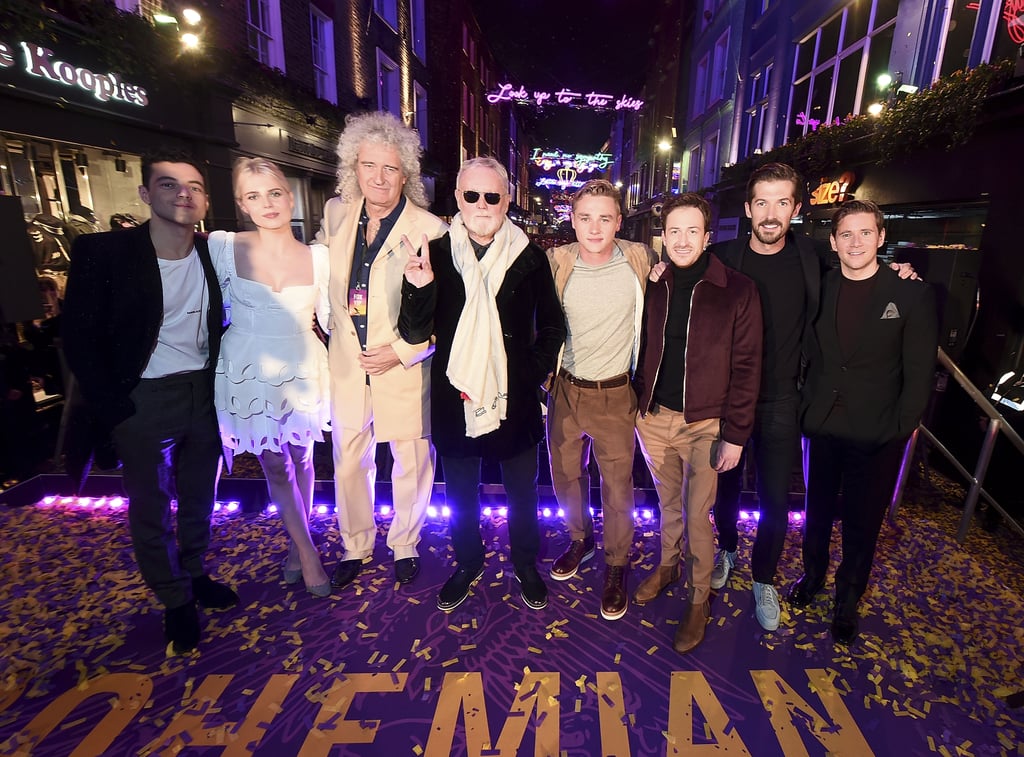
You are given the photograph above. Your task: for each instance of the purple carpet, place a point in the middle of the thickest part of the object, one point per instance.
(378, 670)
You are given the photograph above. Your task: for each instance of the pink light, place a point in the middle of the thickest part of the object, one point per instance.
(271, 508)
(503, 511)
(385, 509)
(116, 502)
(561, 513)
(591, 512)
(487, 512)
(648, 514)
(446, 511)
(546, 512)
(67, 500)
(797, 517)
(431, 511)
(233, 506)
(321, 509)
(744, 515)
(757, 515)
(83, 501)
(49, 499)
(636, 514)
(217, 506)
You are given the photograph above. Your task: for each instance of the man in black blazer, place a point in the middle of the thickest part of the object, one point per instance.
(143, 318)
(869, 379)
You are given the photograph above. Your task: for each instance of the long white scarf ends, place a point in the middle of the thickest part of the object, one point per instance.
(478, 365)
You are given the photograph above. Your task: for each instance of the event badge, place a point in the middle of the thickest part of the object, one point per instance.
(357, 301)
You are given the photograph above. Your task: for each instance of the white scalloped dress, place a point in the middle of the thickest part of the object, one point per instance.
(272, 383)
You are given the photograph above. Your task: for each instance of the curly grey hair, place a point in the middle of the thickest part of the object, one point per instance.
(383, 128)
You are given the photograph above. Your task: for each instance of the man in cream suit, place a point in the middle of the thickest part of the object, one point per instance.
(379, 382)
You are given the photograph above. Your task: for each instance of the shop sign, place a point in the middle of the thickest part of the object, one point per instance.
(41, 62)
(831, 191)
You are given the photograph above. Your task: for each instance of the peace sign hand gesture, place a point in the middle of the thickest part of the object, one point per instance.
(418, 271)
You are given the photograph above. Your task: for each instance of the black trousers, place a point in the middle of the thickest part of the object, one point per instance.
(171, 450)
(776, 446)
(867, 474)
(462, 492)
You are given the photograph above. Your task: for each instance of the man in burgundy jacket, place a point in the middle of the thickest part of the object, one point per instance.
(697, 383)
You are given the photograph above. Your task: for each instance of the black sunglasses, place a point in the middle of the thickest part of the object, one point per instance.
(492, 198)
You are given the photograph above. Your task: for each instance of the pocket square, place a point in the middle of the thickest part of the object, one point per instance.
(891, 311)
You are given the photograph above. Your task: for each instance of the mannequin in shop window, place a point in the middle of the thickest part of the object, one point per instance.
(272, 378)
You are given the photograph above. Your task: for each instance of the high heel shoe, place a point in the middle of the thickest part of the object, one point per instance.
(320, 590)
(291, 576)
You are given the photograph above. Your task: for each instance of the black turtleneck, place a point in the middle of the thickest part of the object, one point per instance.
(669, 389)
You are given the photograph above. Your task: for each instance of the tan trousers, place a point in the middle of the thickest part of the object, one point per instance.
(355, 475)
(679, 456)
(603, 419)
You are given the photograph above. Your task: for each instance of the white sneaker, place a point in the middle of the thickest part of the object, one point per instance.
(766, 606)
(724, 562)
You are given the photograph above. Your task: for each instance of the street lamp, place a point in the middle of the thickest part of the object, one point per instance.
(664, 145)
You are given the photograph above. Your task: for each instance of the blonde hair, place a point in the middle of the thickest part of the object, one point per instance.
(246, 166)
(598, 188)
(382, 128)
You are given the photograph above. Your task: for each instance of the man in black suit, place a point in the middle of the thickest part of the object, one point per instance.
(869, 379)
(143, 317)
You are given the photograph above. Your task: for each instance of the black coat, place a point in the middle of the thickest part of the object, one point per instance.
(885, 383)
(815, 260)
(113, 309)
(534, 329)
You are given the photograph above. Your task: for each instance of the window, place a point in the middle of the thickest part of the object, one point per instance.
(321, 33)
(420, 113)
(418, 21)
(389, 92)
(836, 66)
(757, 105)
(465, 103)
(387, 10)
(710, 174)
(264, 32)
(719, 68)
(693, 173)
(700, 87)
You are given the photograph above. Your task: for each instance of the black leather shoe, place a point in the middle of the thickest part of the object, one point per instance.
(804, 591)
(456, 588)
(213, 595)
(181, 626)
(345, 573)
(531, 587)
(844, 629)
(407, 569)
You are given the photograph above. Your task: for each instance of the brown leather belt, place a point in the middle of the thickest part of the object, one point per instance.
(612, 383)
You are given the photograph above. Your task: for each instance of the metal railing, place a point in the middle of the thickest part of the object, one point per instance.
(996, 424)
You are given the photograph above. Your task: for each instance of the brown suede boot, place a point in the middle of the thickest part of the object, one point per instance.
(656, 583)
(691, 629)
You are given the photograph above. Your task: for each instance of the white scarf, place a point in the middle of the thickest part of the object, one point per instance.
(478, 365)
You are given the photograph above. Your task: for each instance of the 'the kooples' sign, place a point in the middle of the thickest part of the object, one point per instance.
(40, 61)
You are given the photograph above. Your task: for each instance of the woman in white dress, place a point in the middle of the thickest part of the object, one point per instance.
(271, 386)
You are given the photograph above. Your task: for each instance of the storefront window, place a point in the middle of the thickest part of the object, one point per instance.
(56, 181)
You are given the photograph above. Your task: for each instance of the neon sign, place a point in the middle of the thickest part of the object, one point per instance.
(580, 162)
(564, 96)
(814, 123)
(565, 179)
(1013, 15)
(41, 62)
(828, 192)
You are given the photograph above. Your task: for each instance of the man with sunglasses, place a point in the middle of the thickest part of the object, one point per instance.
(379, 381)
(600, 283)
(485, 292)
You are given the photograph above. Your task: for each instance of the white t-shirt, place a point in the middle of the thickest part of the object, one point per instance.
(184, 341)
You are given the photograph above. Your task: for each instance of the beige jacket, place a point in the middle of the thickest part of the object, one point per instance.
(401, 396)
(641, 259)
